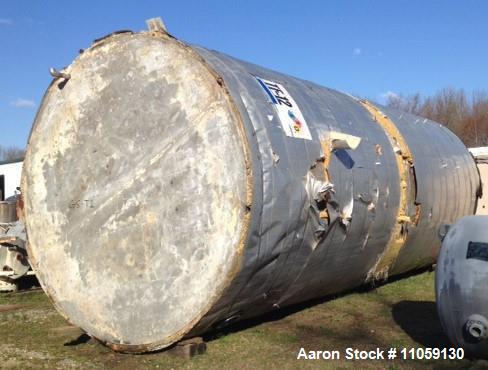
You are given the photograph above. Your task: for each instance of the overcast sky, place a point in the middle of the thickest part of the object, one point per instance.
(367, 48)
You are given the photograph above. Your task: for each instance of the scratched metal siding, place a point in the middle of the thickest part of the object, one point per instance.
(446, 185)
(281, 266)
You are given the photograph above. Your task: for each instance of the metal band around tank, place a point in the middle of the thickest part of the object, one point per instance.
(404, 160)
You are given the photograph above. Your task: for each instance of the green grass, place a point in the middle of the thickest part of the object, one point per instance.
(399, 314)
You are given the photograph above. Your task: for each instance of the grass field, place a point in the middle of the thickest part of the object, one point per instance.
(399, 314)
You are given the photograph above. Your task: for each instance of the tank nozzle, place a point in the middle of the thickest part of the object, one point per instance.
(57, 74)
(477, 327)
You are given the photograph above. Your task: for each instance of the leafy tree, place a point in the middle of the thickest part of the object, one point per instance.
(11, 153)
(466, 117)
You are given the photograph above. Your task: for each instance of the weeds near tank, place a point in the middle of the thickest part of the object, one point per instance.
(401, 314)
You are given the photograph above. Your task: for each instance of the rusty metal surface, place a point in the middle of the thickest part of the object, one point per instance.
(162, 179)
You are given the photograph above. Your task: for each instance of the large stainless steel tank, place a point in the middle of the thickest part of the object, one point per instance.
(170, 189)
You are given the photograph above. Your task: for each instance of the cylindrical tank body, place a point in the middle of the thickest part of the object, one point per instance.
(461, 284)
(170, 189)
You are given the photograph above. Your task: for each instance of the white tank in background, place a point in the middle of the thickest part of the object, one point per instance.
(10, 172)
(13, 256)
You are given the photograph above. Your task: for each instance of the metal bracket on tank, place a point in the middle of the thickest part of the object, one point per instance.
(156, 24)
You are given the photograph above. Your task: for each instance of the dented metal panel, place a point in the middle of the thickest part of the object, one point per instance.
(181, 189)
(447, 185)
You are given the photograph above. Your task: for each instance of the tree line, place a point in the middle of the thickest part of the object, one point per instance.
(11, 153)
(465, 115)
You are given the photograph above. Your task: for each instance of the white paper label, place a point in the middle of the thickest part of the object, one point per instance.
(291, 118)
